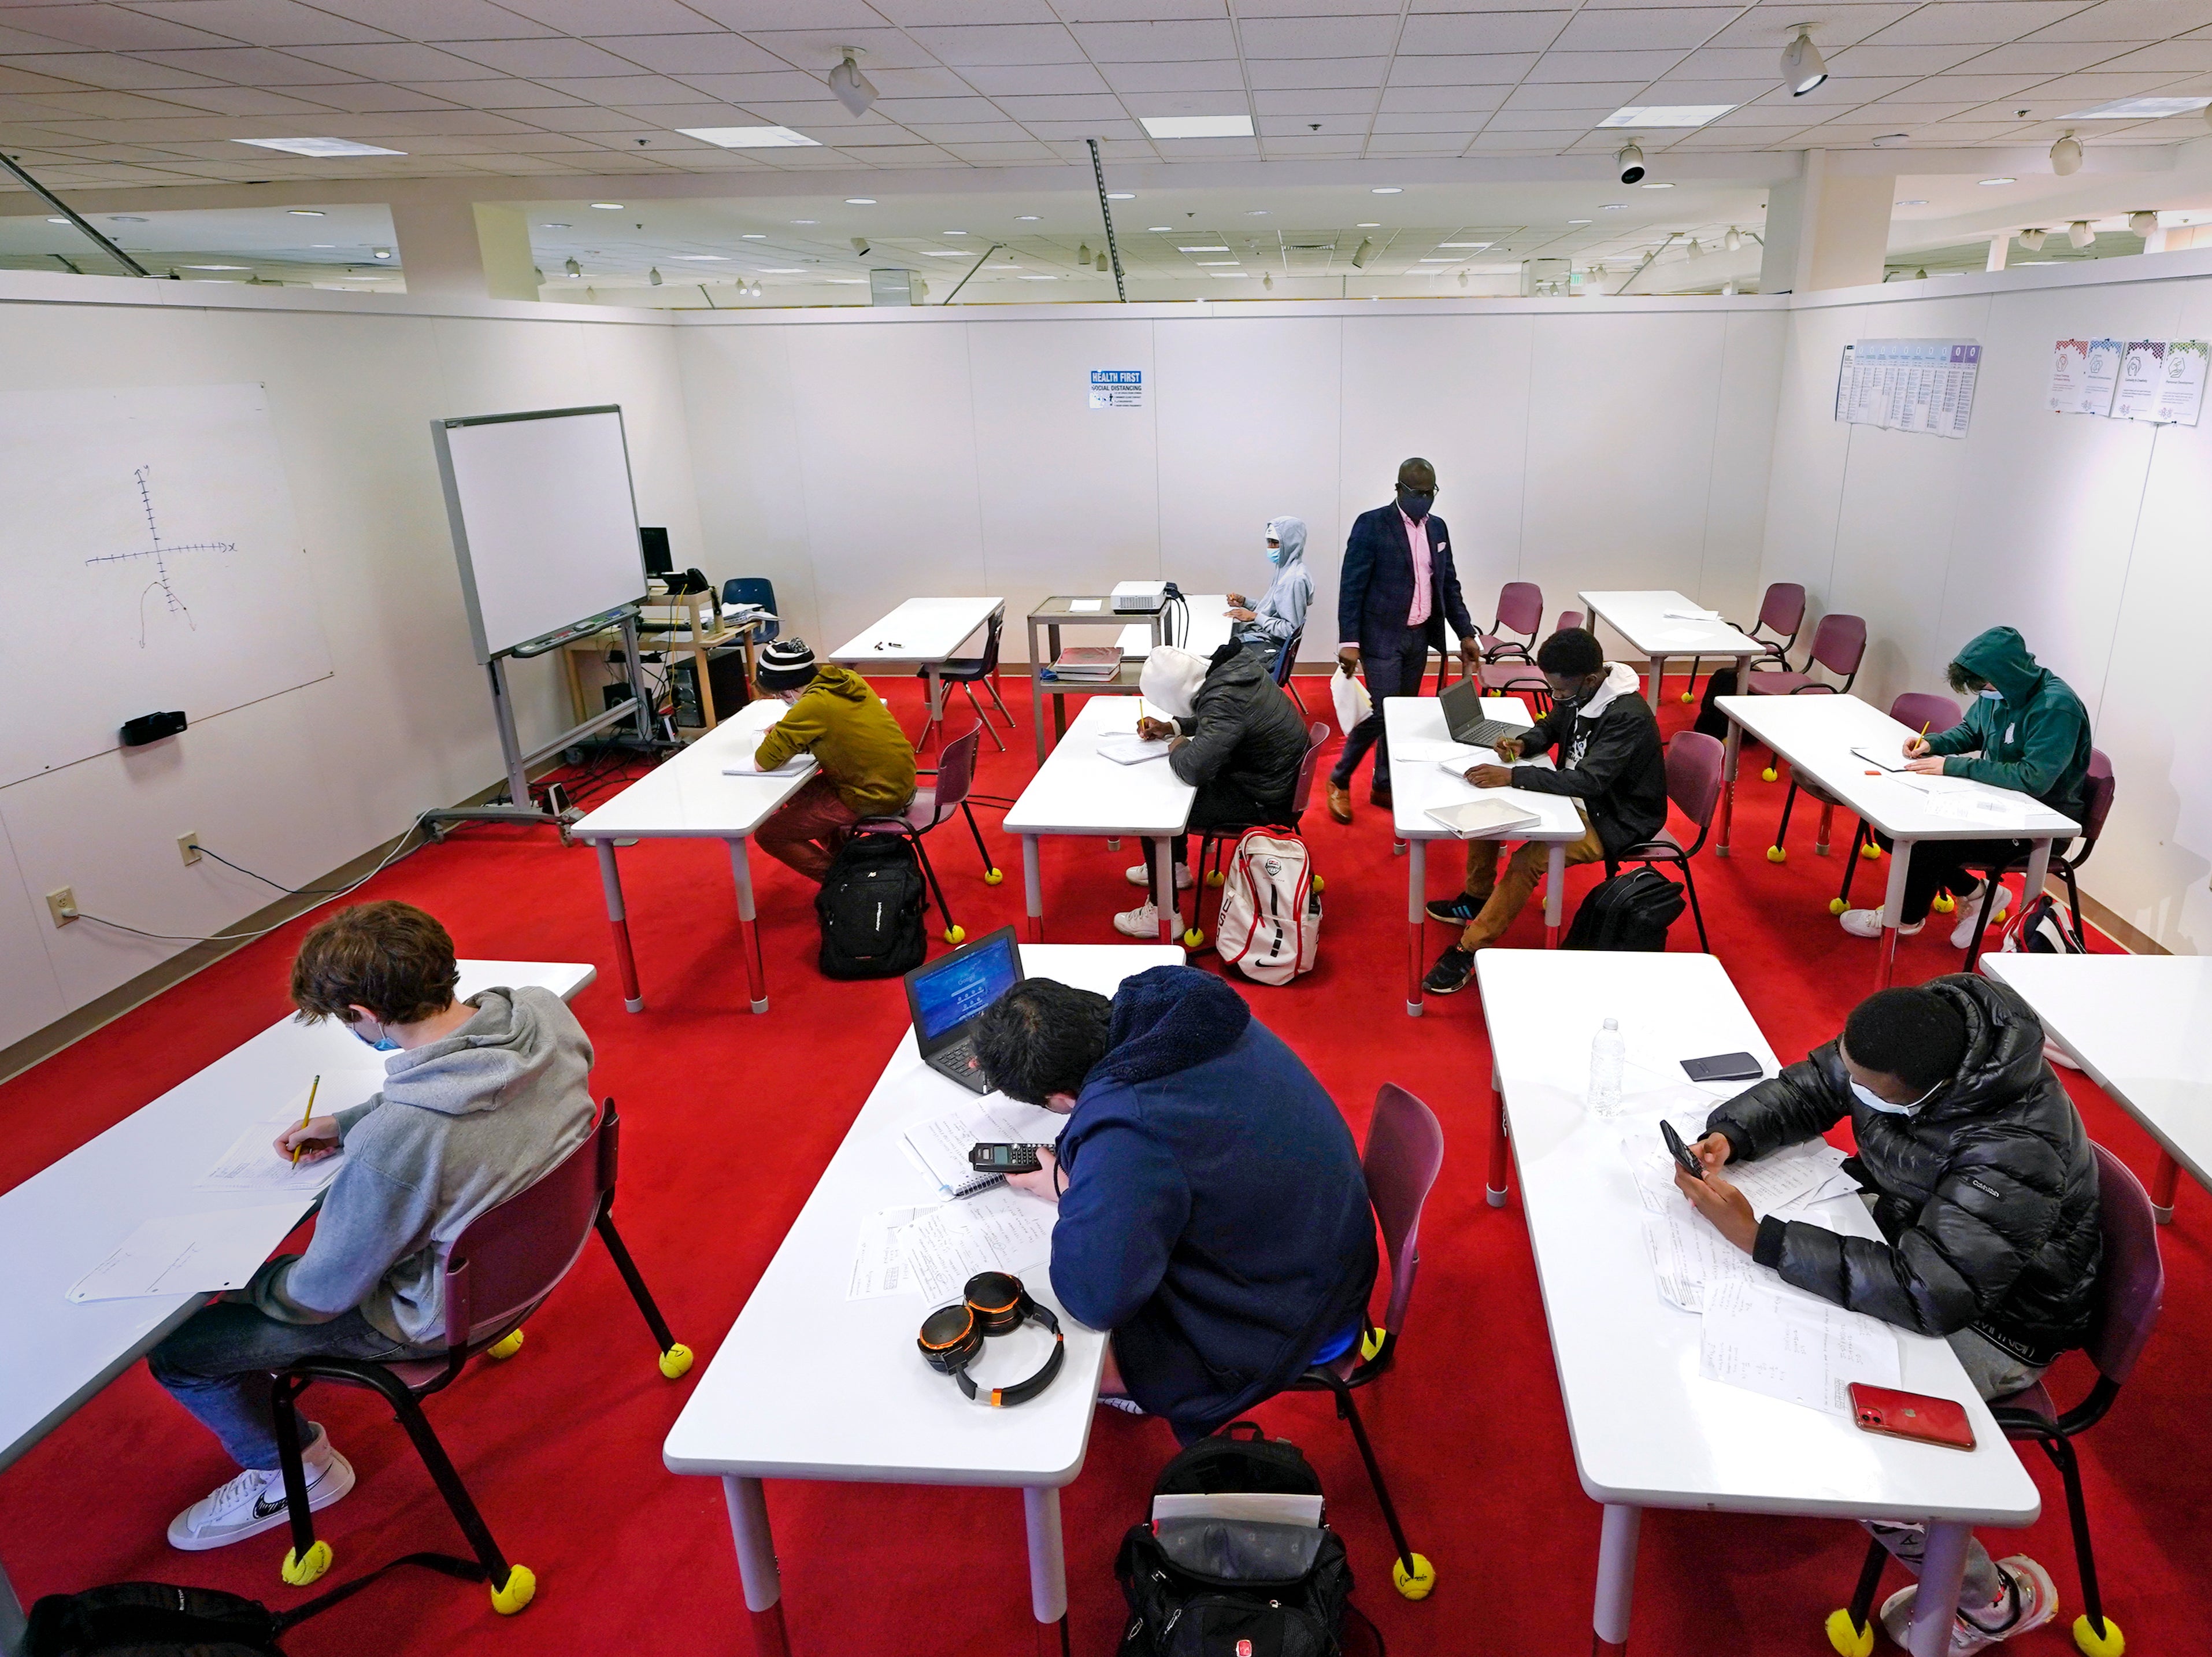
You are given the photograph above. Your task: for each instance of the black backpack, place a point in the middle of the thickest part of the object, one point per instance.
(1218, 1588)
(1711, 722)
(1630, 911)
(869, 908)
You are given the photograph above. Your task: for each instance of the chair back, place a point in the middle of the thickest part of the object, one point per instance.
(1405, 1149)
(1837, 644)
(1286, 659)
(511, 1255)
(1782, 610)
(1568, 622)
(755, 590)
(2100, 806)
(1694, 761)
(989, 664)
(2131, 1281)
(1304, 793)
(956, 771)
(1520, 607)
(1916, 708)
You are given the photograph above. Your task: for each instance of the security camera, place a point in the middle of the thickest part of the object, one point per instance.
(1631, 164)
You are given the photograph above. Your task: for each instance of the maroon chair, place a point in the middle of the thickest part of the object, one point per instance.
(497, 1272)
(2098, 807)
(1917, 710)
(1693, 783)
(1838, 645)
(1520, 610)
(2131, 1284)
(1405, 1149)
(1569, 620)
(935, 803)
(1209, 847)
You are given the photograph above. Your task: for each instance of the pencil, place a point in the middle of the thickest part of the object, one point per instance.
(308, 1118)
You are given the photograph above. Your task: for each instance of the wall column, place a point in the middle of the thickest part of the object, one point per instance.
(1826, 230)
(464, 250)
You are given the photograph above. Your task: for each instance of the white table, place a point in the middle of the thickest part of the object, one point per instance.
(1207, 630)
(1078, 792)
(1648, 1430)
(64, 1220)
(810, 1385)
(688, 797)
(2136, 1023)
(1417, 785)
(1641, 618)
(1816, 734)
(924, 634)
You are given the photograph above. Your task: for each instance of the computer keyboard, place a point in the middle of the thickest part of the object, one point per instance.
(1490, 732)
(958, 1062)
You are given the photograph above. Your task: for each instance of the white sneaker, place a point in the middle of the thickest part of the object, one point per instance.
(1867, 923)
(1128, 1407)
(1969, 910)
(254, 1501)
(1141, 874)
(2037, 1603)
(1143, 921)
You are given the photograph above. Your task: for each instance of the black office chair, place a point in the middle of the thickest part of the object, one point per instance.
(1285, 663)
(969, 671)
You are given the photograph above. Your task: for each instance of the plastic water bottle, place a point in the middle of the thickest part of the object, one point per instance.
(1608, 1058)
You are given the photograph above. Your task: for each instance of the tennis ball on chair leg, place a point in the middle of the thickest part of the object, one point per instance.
(1835, 906)
(1870, 852)
(1849, 1638)
(1770, 775)
(994, 877)
(508, 1347)
(300, 1572)
(2110, 1643)
(518, 1591)
(1417, 1583)
(1685, 697)
(1777, 854)
(1944, 903)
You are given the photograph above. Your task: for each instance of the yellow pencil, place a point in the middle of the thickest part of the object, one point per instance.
(306, 1118)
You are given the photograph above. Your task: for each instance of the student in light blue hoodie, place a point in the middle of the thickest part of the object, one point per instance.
(480, 1097)
(1279, 613)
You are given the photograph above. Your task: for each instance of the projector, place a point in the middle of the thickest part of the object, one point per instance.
(1139, 597)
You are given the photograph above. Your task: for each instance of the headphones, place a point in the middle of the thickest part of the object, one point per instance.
(993, 1303)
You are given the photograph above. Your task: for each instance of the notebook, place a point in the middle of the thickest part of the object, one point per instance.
(1099, 662)
(1127, 748)
(1482, 818)
(1884, 761)
(938, 1144)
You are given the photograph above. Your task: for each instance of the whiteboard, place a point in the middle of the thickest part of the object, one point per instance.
(149, 560)
(544, 523)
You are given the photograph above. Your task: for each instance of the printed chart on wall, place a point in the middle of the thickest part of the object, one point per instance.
(2161, 380)
(1117, 388)
(147, 545)
(1910, 385)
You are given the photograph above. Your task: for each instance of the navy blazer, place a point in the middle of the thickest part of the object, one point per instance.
(1375, 591)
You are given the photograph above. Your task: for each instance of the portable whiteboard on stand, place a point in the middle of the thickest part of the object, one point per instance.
(545, 530)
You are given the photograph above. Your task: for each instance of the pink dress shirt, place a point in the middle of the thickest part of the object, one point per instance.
(1417, 536)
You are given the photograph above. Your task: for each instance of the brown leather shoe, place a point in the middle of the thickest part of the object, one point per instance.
(1379, 795)
(1340, 803)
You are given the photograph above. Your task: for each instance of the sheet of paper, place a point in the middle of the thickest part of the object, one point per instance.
(1127, 748)
(189, 1254)
(1999, 811)
(2101, 375)
(1002, 1230)
(939, 1143)
(2143, 370)
(1691, 615)
(2070, 362)
(878, 1265)
(1689, 1258)
(1449, 754)
(2181, 391)
(1086, 605)
(252, 1164)
(1767, 1338)
(1880, 761)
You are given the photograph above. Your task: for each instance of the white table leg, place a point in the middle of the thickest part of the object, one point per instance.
(756, 1566)
(2039, 870)
(748, 932)
(1616, 1580)
(1555, 892)
(1893, 911)
(1494, 1187)
(1033, 888)
(1729, 751)
(1652, 686)
(1935, 1607)
(1047, 1564)
(936, 705)
(1417, 899)
(12, 1622)
(1163, 898)
(618, 918)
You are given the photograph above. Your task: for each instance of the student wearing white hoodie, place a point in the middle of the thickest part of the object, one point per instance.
(480, 1097)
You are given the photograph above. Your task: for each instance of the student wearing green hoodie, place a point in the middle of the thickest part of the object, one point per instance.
(867, 763)
(2024, 729)
(481, 1098)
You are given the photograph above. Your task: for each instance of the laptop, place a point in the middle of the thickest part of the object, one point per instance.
(1462, 708)
(946, 996)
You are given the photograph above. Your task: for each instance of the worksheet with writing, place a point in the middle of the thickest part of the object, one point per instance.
(252, 1163)
(878, 1261)
(940, 1141)
(1770, 1339)
(1002, 1230)
(189, 1253)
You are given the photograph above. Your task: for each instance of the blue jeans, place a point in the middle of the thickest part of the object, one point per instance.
(220, 1363)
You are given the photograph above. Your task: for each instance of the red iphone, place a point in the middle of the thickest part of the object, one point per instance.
(1911, 1414)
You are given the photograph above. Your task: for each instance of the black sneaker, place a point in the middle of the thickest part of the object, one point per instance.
(1457, 910)
(1454, 970)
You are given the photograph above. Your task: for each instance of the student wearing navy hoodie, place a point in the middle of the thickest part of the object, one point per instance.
(1212, 1214)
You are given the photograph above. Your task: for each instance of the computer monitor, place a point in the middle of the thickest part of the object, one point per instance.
(949, 993)
(653, 543)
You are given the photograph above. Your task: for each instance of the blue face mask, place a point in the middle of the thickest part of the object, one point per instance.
(1275, 556)
(1991, 693)
(1873, 1101)
(382, 1044)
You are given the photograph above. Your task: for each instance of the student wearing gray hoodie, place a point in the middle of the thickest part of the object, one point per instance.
(481, 1098)
(1279, 613)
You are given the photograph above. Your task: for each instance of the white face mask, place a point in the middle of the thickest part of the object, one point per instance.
(1873, 1101)
(1991, 693)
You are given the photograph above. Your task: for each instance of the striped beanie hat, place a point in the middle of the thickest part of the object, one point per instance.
(785, 664)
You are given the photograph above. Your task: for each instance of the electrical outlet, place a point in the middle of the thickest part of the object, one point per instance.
(188, 844)
(61, 903)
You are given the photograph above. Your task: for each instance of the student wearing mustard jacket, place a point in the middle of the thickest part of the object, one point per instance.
(867, 763)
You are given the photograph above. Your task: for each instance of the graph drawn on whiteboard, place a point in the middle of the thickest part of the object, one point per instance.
(160, 552)
(149, 560)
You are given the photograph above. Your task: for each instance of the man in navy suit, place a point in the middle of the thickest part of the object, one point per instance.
(1397, 589)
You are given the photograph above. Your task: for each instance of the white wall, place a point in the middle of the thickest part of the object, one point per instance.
(2088, 534)
(301, 783)
(856, 458)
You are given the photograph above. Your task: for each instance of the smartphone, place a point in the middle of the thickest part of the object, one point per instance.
(1004, 1158)
(1911, 1414)
(1684, 1158)
(1724, 1067)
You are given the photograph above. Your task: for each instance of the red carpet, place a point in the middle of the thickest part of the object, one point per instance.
(730, 1120)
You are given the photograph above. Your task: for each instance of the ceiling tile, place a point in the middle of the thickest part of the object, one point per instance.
(1958, 83)
(2039, 58)
(2085, 90)
(1636, 66)
(398, 61)
(1000, 154)
(908, 111)
(1537, 120)
(106, 69)
(1067, 107)
(1248, 9)
(1463, 124)
(109, 28)
(1767, 27)
(437, 19)
(534, 58)
(253, 66)
(991, 80)
(1315, 144)
(1329, 101)
(1217, 75)
(999, 45)
(1480, 69)
(1436, 33)
(1397, 143)
(819, 48)
(1154, 43)
(1680, 27)
(252, 101)
(1124, 128)
(500, 95)
(750, 89)
(913, 14)
(1345, 124)
(592, 120)
(1141, 11)
(1898, 60)
(1604, 97)
(1316, 37)
(618, 89)
(262, 22)
(2130, 20)
(719, 53)
(595, 16)
(2175, 57)
(1974, 22)
(371, 97)
(968, 132)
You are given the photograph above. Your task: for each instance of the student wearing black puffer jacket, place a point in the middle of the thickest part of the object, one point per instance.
(1985, 1187)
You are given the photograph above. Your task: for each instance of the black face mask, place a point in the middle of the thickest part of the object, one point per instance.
(1415, 503)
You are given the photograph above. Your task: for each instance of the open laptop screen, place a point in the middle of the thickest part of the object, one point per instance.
(950, 992)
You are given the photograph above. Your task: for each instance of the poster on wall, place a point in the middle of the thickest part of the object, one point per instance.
(1117, 388)
(2101, 375)
(2181, 381)
(2142, 368)
(2069, 366)
(1843, 386)
(1910, 385)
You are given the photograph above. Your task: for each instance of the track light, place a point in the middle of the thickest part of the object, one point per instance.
(1268, 280)
(654, 275)
(539, 273)
(2142, 223)
(2079, 233)
(1099, 264)
(1694, 249)
(1630, 161)
(574, 269)
(2066, 156)
(1359, 254)
(860, 246)
(2032, 239)
(1802, 66)
(854, 89)
(381, 252)
(1083, 252)
(1733, 241)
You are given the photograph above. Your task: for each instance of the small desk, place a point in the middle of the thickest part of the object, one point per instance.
(1207, 632)
(2137, 1024)
(1417, 785)
(1648, 1430)
(1076, 792)
(688, 797)
(860, 1404)
(1641, 618)
(1816, 734)
(64, 1220)
(924, 634)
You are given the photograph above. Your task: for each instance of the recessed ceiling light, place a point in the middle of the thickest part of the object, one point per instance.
(1578, 221)
(749, 235)
(781, 271)
(1255, 212)
(2138, 109)
(1158, 229)
(952, 233)
(702, 257)
(1233, 274)
(1198, 126)
(1207, 248)
(1611, 206)
(1661, 185)
(855, 281)
(944, 253)
(1666, 115)
(1462, 244)
(1217, 261)
(1031, 276)
(307, 212)
(1917, 201)
(126, 218)
(57, 221)
(1369, 224)
(556, 225)
(1120, 195)
(1431, 259)
(218, 267)
(749, 137)
(806, 221)
(319, 146)
(2000, 180)
(1025, 218)
(322, 244)
(859, 200)
(1386, 190)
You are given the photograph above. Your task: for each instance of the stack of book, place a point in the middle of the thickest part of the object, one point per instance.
(1089, 662)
